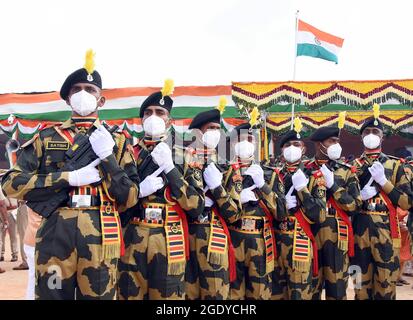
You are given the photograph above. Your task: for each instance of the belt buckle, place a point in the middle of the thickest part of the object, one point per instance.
(203, 219)
(79, 201)
(248, 224)
(283, 226)
(153, 214)
(371, 207)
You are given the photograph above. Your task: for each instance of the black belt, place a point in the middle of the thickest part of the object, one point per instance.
(204, 217)
(94, 202)
(331, 212)
(259, 224)
(286, 225)
(366, 206)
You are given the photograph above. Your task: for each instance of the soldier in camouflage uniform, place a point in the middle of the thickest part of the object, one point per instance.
(306, 203)
(78, 245)
(156, 237)
(334, 236)
(212, 259)
(384, 186)
(251, 228)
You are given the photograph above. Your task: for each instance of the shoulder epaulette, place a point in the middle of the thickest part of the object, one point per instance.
(235, 166)
(127, 134)
(29, 142)
(317, 174)
(402, 160)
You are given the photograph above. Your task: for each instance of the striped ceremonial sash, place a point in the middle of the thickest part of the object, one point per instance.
(111, 231)
(301, 249)
(175, 242)
(217, 244)
(269, 245)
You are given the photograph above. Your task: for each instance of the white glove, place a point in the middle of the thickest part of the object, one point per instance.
(328, 175)
(102, 142)
(257, 174)
(85, 176)
(212, 176)
(208, 202)
(368, 192)
(162, 156)
(247, 195)
(291, 201)
(151, 184)
(377, 173)
(299, 179)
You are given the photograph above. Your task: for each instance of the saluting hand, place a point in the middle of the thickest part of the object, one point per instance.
(162, 156)
(257, 174)
(102, 142)
(377, 173)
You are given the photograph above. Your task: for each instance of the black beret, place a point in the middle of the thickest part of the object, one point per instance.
(79, 76)
(289, 136)
(370, 122)
(324, 133)
(155, 99)
(204, 117)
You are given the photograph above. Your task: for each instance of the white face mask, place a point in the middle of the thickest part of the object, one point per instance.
(371, 141)
(292, 154)
(244, 149)
(83, 103)
(211, 138)
(154, 126)
(334, 151)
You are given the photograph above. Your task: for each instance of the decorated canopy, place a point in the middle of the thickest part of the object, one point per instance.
(318, 103)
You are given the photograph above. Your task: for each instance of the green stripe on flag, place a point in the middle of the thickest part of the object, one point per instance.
(312, 50)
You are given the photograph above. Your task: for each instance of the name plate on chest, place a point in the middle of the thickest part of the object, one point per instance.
(57, 145)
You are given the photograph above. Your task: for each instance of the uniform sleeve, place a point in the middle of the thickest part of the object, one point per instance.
(314, 203)
(188, 191)
(23, 181)
(269, 197)
(230, 189)
(227, 207)
(278, 189)
(400, 193)
(346, 191)
(122, 178)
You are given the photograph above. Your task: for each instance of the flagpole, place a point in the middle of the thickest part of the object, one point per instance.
(295, 64)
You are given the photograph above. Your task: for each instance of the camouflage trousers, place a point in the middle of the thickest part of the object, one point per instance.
(376, 256)
(69, 262)
(289, 283)
(253, 281)
(204, 280)
(333, 263)
(143, 270)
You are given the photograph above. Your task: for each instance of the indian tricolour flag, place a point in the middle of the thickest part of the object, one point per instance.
(315, 43)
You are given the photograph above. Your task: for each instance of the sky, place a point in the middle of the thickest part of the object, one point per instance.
(214, 42)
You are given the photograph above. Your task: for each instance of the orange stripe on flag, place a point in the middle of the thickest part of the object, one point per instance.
(321, 35)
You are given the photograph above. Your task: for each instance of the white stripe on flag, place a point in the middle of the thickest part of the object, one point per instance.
(308, 37)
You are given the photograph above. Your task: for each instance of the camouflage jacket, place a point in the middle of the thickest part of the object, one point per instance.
(188, 191)
(235, 181)
(36, 176)
(346, 189)
(194, 166)
(399, 185)
(311, 199)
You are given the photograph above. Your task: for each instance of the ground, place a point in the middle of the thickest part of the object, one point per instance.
(13, 283)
